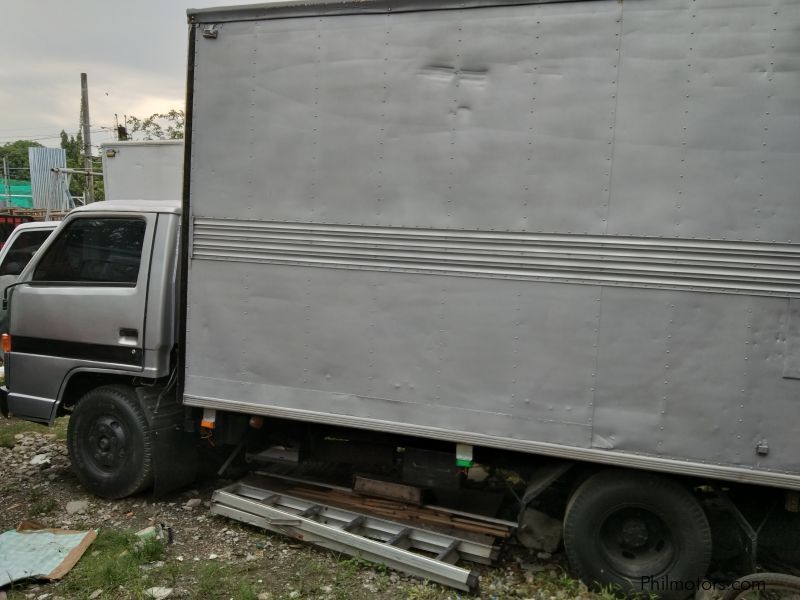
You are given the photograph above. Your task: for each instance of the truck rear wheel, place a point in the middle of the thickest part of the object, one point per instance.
(109, 442)
(637, 532)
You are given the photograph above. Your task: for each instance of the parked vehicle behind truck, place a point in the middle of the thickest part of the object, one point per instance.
(558, 239)
(17, 251)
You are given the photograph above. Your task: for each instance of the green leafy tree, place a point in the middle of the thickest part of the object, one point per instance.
(158, 126)
(16, 155)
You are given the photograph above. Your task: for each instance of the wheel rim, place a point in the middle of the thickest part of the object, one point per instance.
(107, 443)
(636, 542)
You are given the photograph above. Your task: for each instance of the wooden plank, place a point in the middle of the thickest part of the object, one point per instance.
(400, 492)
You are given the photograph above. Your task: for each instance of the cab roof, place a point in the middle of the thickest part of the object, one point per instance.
(144, 206)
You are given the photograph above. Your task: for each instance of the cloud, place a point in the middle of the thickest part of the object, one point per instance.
(133, 52)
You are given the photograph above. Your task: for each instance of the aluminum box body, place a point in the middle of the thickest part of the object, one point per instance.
(565, 228)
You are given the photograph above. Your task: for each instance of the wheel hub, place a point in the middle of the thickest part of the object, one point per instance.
(634, 533)
(107, 442)
(636, 542)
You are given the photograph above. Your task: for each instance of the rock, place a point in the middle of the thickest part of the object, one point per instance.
(544, 556)
(294, 594)
(95, 594)
(79, 507)
(158, 593)
(193, 503)
(40, 459)
(213, 556)
(539, 531)
(264, 596)
(19, 436)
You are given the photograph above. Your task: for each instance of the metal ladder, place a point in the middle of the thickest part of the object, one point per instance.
(395, 545)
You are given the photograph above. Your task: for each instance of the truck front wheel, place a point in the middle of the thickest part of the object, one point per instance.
(638, 533)
(109, 442)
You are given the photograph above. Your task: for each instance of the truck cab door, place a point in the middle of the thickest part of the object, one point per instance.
(81, 306)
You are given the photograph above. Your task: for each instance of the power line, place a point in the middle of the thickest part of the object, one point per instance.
(46, 137)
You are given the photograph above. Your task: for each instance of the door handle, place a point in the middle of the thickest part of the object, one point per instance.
(128, 337)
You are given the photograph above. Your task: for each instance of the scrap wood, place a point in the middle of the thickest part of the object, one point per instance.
(400, 511)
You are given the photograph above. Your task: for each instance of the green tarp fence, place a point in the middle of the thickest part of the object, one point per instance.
(15, 194)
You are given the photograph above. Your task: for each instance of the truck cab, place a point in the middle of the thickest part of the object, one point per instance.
(97, 301)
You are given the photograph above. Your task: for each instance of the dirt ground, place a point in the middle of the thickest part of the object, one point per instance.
(211, 557)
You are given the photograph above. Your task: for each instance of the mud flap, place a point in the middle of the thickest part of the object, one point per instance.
(175, 457)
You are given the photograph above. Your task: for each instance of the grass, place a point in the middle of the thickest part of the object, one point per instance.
(114, 561)
(11, 427)
(124, 567)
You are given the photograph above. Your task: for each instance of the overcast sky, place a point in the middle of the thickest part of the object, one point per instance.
(134, 52)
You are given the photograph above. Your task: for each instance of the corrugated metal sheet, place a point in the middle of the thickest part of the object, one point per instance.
(50, 190)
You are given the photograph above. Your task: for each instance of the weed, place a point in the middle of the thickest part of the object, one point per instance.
(148, 550)
(42, 506)
(245, 591)
(211, 577)
(172, 572)
(424, 591)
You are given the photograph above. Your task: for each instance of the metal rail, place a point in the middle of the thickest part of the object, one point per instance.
(396, 545)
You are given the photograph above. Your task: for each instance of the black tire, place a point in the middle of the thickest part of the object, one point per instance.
(764, 586)
(623, 527)
(110, 444)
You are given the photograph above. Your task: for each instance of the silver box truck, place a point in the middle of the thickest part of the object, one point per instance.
(560, 238)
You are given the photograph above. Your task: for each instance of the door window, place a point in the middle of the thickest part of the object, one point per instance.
(95, 251)
(22, 250)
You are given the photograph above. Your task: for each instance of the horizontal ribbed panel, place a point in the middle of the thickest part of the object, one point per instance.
(711, 265)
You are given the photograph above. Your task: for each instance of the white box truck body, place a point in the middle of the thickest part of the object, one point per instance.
(143, 170)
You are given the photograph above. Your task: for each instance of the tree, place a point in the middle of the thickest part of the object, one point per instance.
(16, 154)
(158, 126)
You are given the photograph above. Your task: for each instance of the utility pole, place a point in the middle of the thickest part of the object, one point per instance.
(7, 184)
(87, 139)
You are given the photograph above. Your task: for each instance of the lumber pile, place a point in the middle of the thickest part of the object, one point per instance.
(399, 511)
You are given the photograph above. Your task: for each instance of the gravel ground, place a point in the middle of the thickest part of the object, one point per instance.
(213, 557)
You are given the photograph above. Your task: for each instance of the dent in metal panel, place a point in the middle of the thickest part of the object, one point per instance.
(439, 117)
